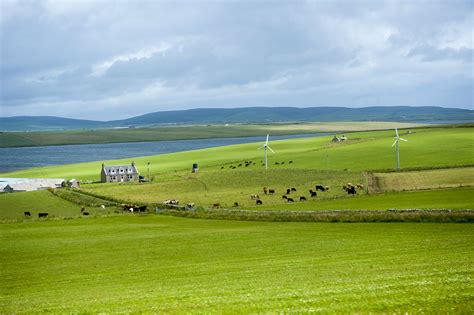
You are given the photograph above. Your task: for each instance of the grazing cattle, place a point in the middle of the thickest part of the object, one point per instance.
(216, 205)
(102, 206)
(302, 198)
(290, 162)
(236, 204)
(27, 213)
(83, 209)
(290, 199)
(351, 191)
(313, 193)
(85, 213)
(360, 186)
(231, 166)
(142, 208)
(239, 165)
(288, 191)
(42, 215)
(190, 205)
(282, 162)
(326, 187)
(222, 167)
(246, 165)
(284, 197)
(254, 196)
(293, 189)
(276, 163)
(171, 202)
(265, 191)
(271, 191)
(259, 202)
(320, 187)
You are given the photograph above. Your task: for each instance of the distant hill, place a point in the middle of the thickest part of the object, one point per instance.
(249, 115)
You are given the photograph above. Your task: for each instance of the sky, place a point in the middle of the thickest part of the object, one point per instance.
(106, 60)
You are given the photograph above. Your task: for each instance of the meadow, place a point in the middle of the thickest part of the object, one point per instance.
(112, 261)
(150, 264)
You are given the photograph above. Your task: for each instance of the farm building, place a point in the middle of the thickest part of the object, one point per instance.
(30, 184)
(119, 173)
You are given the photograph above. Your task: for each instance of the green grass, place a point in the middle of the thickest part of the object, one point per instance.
(19, 139)
(427, 148)
(441, 178)
(456, 198)
(163, 264)
(13, 205)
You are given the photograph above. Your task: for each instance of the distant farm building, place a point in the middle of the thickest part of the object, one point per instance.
(119, 173)
(30, 184)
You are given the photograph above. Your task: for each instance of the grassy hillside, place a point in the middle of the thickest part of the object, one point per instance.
(427, 148)
(164, 264)
(42, 138)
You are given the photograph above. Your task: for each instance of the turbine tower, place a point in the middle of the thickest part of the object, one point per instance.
(265, 147)
(398, 153)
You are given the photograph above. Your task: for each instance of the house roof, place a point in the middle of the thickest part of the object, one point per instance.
(120, 169)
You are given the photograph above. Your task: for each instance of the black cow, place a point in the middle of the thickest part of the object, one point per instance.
(284, 197)
(141, 209)
(27, 214)
(313, 193)
(320, 187)
(302, 198)
(236, 204)
(271, 191)
(85, 213)
(293, 189)
(290, 199)
(42, 215)
(288, 191)
(259, 202)
(351, 191)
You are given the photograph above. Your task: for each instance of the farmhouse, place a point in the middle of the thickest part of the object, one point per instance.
(119, 173)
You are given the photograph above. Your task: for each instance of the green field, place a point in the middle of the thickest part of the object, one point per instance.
(112, 262)
(41, 138)
(162, 264)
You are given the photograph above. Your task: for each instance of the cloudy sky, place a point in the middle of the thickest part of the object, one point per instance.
(110, 60)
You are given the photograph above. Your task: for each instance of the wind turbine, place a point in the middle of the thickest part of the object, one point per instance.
(397, 137)
(265, 147)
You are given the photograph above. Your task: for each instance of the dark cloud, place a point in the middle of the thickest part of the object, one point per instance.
(84, 58)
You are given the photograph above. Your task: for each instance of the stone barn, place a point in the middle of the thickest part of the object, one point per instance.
(119, 173)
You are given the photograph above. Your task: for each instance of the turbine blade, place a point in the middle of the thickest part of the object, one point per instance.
(394, 142)
(396, 131)
(261, 147)
(403, 139)
(267, 139)
(270, 149)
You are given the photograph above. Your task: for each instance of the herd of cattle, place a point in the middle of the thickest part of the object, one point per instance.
(248, 163)
(350, 188)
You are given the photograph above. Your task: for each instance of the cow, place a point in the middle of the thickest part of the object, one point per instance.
(290, 199)
(85, 213)
(351, 191)
(284, 197)
(27, 213)
(313, 193)
(171, 202)
(293, 189)
(276, 163)
(326, 187)
(265, 191)
(288, 191)
(271, 191)
(190, 206)
(254, 196)
(222, 167)
(282, 163)
(259, 202)
(236, 204)
(216, 205)
(239, 165)
(302, 198)
(247, 165)
(142, 208)
(360, 186)
(320, 187)
(42, 215)
(102, 207)
(290, 162)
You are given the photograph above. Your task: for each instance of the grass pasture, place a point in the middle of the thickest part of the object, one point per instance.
(428, 179)
(159, 264)
(363, 151)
